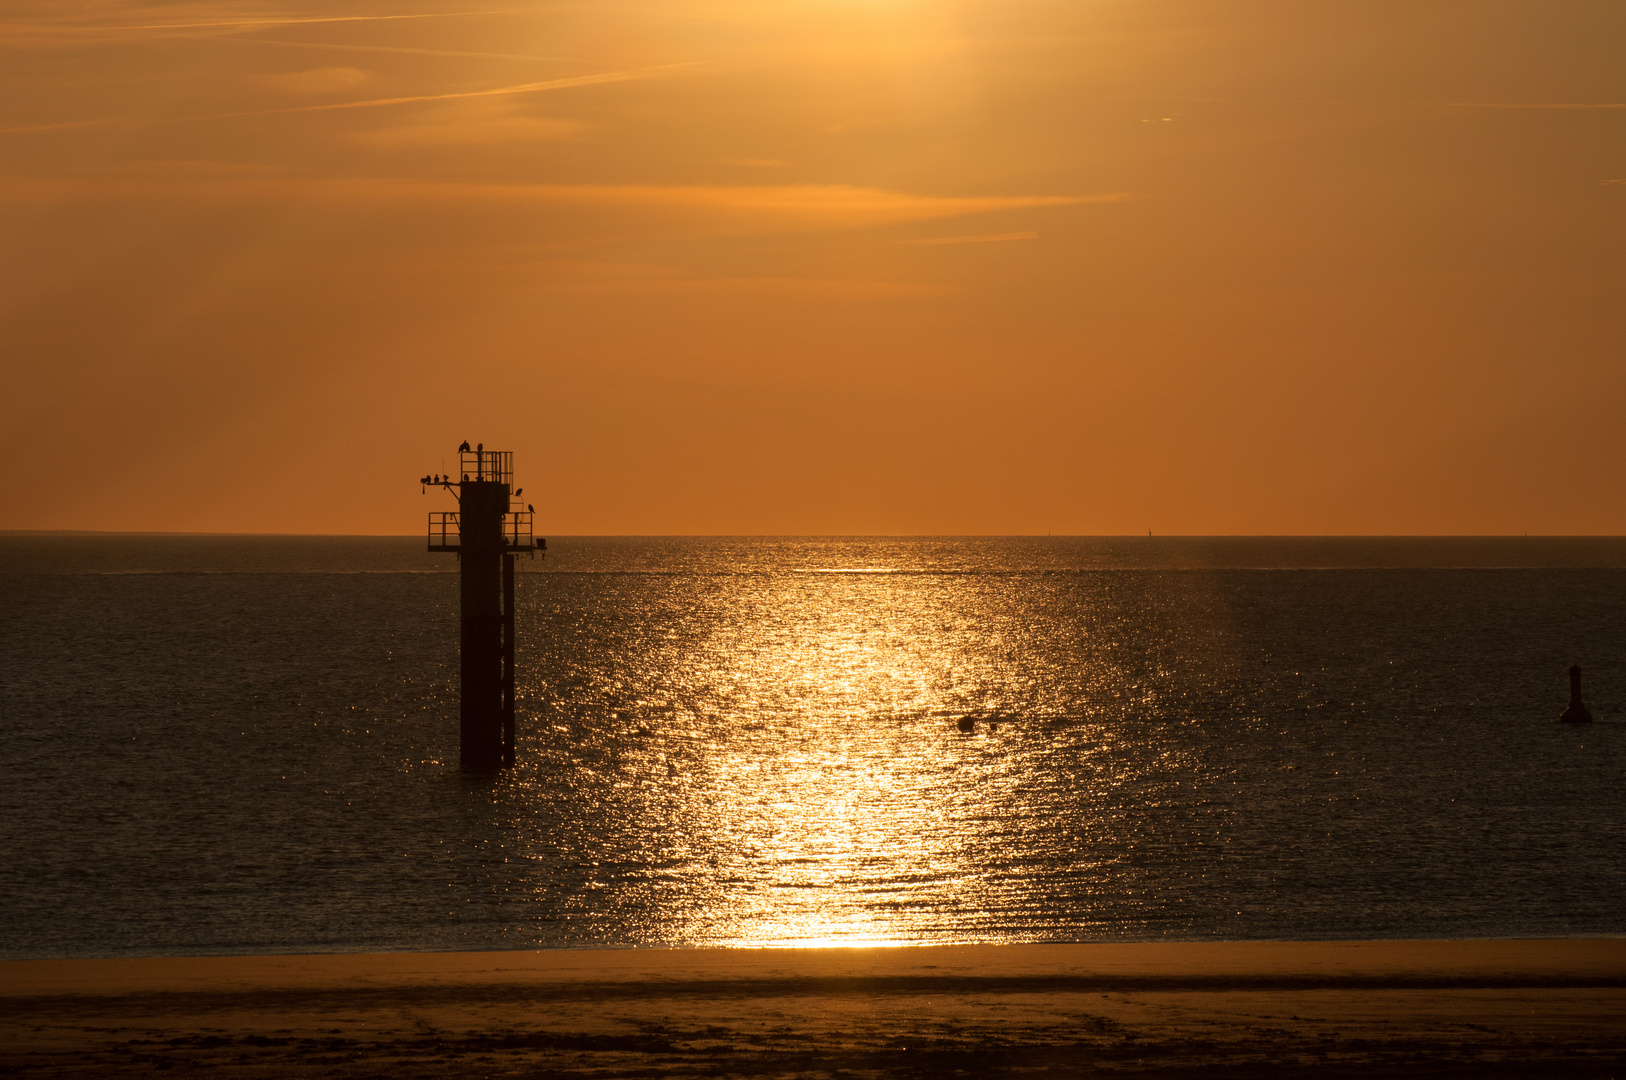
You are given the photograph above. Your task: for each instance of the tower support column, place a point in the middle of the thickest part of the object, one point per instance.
(482, 505)
(489, 526)
(508, 660)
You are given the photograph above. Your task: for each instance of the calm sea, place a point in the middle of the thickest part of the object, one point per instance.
(248, 744)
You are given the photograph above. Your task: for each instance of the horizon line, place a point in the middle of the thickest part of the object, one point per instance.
(850, 536)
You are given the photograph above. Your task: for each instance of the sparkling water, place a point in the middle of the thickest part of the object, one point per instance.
(235, 744)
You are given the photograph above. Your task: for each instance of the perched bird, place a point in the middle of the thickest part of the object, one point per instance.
(464, 448)
(531, 508)
(518, 492)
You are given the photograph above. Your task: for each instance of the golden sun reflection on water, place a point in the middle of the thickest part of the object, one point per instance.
(716, 749)
(805, 767)
(751, 756)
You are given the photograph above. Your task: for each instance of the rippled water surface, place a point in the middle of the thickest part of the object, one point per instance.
(249, 744)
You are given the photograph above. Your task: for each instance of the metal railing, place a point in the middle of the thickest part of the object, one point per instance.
(495, 465)
(446, 531)
(445, 534)
(516, 530)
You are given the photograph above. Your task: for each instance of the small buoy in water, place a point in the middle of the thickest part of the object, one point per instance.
(968, 724)
(1576, 713)
(642, 731)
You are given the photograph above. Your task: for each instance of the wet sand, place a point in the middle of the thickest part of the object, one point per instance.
(1458, 1008)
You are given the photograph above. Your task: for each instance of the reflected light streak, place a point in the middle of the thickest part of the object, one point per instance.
(815, 771)
(838, 943)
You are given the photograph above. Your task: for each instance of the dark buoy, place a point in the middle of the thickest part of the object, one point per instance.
(968, 724)
(1576, 713)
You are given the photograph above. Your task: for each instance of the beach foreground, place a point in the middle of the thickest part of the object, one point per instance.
(1436, 1008)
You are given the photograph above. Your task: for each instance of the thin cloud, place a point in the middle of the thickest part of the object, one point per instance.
(315, 81)
(57, 127)
(817, 289)
(823, 205)
(987, 238)
(521, 88)
(375, 103)
(489, 122)
(287, 22)
(1538, 105)
(340, 47)
(733, 208)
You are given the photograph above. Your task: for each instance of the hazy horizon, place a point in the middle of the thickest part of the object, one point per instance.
(860, 536)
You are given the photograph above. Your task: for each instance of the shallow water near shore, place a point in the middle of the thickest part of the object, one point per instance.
(230, 744)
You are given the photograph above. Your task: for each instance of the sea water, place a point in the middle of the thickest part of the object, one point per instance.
(249, 744)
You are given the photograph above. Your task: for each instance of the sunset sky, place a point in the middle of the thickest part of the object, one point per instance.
(817, 266)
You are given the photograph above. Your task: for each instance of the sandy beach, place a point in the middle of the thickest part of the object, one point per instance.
(1454, 1008)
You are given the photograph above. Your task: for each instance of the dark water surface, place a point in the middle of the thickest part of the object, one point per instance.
(243, 744)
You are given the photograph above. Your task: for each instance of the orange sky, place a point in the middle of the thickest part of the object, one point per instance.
(817, 266)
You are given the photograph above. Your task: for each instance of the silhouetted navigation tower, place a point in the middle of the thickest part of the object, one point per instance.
(489, 526)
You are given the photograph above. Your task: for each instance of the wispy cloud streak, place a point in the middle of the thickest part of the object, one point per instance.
(406, 50)
(374, 103)
(56, 127)
(521, 88)
(988, 238)
(285, 22)
(770, 207)
(1539, 106)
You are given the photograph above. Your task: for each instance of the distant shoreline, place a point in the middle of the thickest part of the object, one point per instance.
(1561, 961)
(1165, 1009)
